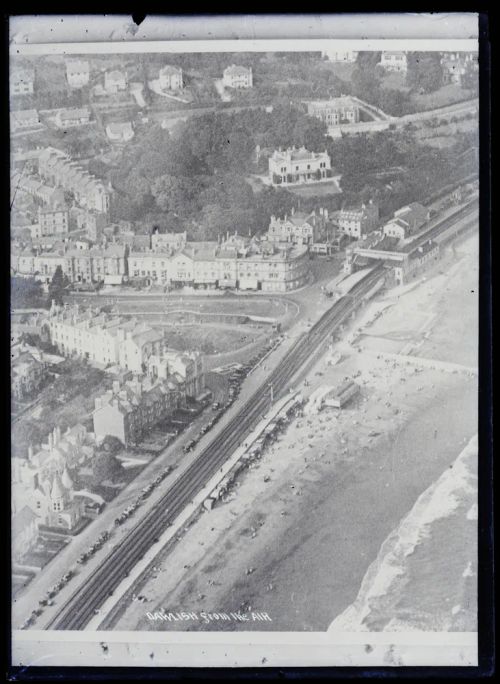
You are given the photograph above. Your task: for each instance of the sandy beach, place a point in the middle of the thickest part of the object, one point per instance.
(307, 522)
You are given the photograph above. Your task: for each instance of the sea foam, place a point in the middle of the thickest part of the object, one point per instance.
(380, 582)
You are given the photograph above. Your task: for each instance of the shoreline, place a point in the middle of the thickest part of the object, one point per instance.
(385, 584)
(294, 555)
(337, 483)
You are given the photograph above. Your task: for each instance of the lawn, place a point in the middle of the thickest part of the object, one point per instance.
(211, 339)
(446, 95)
(230, 304)
(315, 189)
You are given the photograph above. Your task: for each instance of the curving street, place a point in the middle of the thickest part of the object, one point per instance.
(80, 608)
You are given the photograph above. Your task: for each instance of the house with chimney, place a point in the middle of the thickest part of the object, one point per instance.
(298, 165)
(335, 111)
(170, 77)
(43, 482)
(24, 119)
(407, 221)
(168, 243)
(120, 132)
(238, 77)
(336, 55)
(394, 60)
(71, 117)
(358, 221)
(131, 409)
(115, 81)
(300, 228)
(28, 373)
(58, 169)
(22, 81)
(53, 218)
(186, 367)
(77, 72)
(136, 345)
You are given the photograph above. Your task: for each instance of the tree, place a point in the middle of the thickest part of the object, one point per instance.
(111, 445)
(310, 133)
(367, 61)
(470, 79)
(173, 193)
(394, 102)
(58, 285)
(365, 84)
(26, 293)
(424, 71)
(106, 466)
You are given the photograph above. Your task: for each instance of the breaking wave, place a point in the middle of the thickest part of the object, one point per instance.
(378, 604)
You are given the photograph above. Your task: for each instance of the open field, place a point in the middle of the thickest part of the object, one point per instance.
(447, 95)
(210, 339)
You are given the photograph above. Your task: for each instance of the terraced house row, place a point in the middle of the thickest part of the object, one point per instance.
(59, 170)
(237, 262)
(110, 340)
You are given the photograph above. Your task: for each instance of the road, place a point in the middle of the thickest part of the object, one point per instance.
(380, 124)
(470, 106)
(79, 609)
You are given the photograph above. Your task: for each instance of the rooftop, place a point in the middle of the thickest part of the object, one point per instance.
(296, 154)
(24, 114)
(74, 112)
(115, 75)
(170, 70)
(342, 101)
(23, 519)
(237, 70)
(77, 65)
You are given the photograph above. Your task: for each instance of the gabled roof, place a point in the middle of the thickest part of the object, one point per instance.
(22, 520)
(170, 70)
(26, 75)
(236, 70)
(393, 53)
(74, 113)
(147, 336)
(24, 114)
(115, 75)
(77, 65)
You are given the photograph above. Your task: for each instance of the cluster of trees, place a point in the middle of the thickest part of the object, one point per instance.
(425, 72)
(196, 175)
(366, 83)
(26, 293)
(394, 169)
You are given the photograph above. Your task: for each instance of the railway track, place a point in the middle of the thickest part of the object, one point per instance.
(80, 608)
